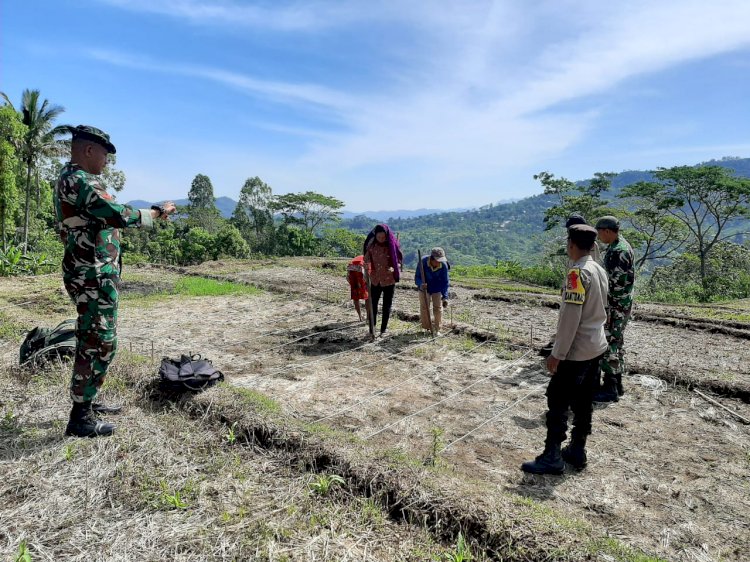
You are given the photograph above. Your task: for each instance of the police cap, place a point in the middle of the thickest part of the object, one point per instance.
(582, 235)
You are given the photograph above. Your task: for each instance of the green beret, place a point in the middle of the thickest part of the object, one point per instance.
(86, 132)
(582, 234)
(609, 222)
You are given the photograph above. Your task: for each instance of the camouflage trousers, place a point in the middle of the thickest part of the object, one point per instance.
(96, 300)
(613, 362)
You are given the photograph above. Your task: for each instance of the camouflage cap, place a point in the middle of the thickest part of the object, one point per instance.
(438, 254)
(609, 222)
(582, 234)
(98, 136)
(575, 218)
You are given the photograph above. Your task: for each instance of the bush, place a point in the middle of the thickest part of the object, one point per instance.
(728, 277)
(547, 275)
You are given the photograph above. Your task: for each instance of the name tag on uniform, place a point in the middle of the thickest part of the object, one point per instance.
(575, 292)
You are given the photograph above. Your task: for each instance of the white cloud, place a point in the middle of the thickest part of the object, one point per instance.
(481, 95)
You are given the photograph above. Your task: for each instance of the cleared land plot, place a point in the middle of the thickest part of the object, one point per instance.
(668, 470)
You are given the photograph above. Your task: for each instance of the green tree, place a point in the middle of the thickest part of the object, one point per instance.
(253, 212)
(309, 211)
(708, 200)
(202, 211)
(654, 233)
(196, 246)
(583, 197)
(111, 176)
(229, 242)
(39, 142)
(341, 242)
(294, 241)
(12, 131)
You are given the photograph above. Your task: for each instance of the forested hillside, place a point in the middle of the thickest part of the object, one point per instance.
(512, 231)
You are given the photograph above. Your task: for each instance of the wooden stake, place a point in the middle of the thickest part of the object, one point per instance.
(368, 302)
(744, 419)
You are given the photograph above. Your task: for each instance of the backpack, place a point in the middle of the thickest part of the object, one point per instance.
(44, 344)
(188, 373)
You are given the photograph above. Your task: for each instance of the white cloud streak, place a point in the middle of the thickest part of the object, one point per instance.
(485, 91)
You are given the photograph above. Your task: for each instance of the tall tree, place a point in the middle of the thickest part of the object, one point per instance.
(654, 233)
(40, 140)
(202, 211)
(708, 200)
(253, 212)
(583, 197)
(309, 211)
(12, 132)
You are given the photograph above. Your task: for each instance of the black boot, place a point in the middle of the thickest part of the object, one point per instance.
(101, 408)
(549, 462)
(574, 453)
(83, 422)
(620, 388)
(608, 391)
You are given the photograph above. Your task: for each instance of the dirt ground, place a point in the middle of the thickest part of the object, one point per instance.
(668, 471)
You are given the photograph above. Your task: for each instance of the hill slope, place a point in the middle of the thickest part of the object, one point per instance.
(512, 231)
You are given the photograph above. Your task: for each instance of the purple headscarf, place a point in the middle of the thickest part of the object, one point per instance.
(394, 248)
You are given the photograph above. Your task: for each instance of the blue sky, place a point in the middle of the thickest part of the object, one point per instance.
(391, 104)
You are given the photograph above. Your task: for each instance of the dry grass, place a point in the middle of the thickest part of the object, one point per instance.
(167, 487)
(476, 490)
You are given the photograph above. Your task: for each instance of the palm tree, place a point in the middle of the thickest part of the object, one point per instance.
(39, 142)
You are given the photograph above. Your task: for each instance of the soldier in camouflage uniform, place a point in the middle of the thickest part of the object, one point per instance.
(619, 263)
(89, 220)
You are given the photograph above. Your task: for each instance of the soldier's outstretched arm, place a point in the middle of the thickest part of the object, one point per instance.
(113, 214)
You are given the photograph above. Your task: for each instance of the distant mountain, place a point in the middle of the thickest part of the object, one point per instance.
(408, 213)
(225, 205)
(512, 231)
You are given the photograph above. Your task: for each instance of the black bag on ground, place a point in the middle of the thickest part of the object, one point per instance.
(44, 344)
(188, 373)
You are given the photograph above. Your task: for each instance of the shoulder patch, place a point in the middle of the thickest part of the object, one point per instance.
(575, 292)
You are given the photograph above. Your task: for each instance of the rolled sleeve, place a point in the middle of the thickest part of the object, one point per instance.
(147, 221)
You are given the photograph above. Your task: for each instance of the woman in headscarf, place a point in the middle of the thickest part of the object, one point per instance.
(383, 260)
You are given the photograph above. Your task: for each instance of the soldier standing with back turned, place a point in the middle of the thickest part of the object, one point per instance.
(89, 220)
(619, 262)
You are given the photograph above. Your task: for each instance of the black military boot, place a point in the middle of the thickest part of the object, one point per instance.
(83, 422)
(608, 391)
(101, 408)
(574, 453)
(549, 462)
(620, 388)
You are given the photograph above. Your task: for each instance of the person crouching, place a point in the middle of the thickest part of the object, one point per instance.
(433, 289)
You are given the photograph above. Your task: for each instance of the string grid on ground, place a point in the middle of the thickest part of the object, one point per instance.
(359, 369)
(496, 416)
(451, 396)
(313, 362)
(398, 385)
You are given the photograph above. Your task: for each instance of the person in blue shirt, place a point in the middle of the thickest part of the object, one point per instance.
(433, 288)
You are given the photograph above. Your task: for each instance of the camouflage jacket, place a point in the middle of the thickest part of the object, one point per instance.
(89, 220)
(619, 262)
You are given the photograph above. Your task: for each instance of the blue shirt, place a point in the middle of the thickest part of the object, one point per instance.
(437, 279)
